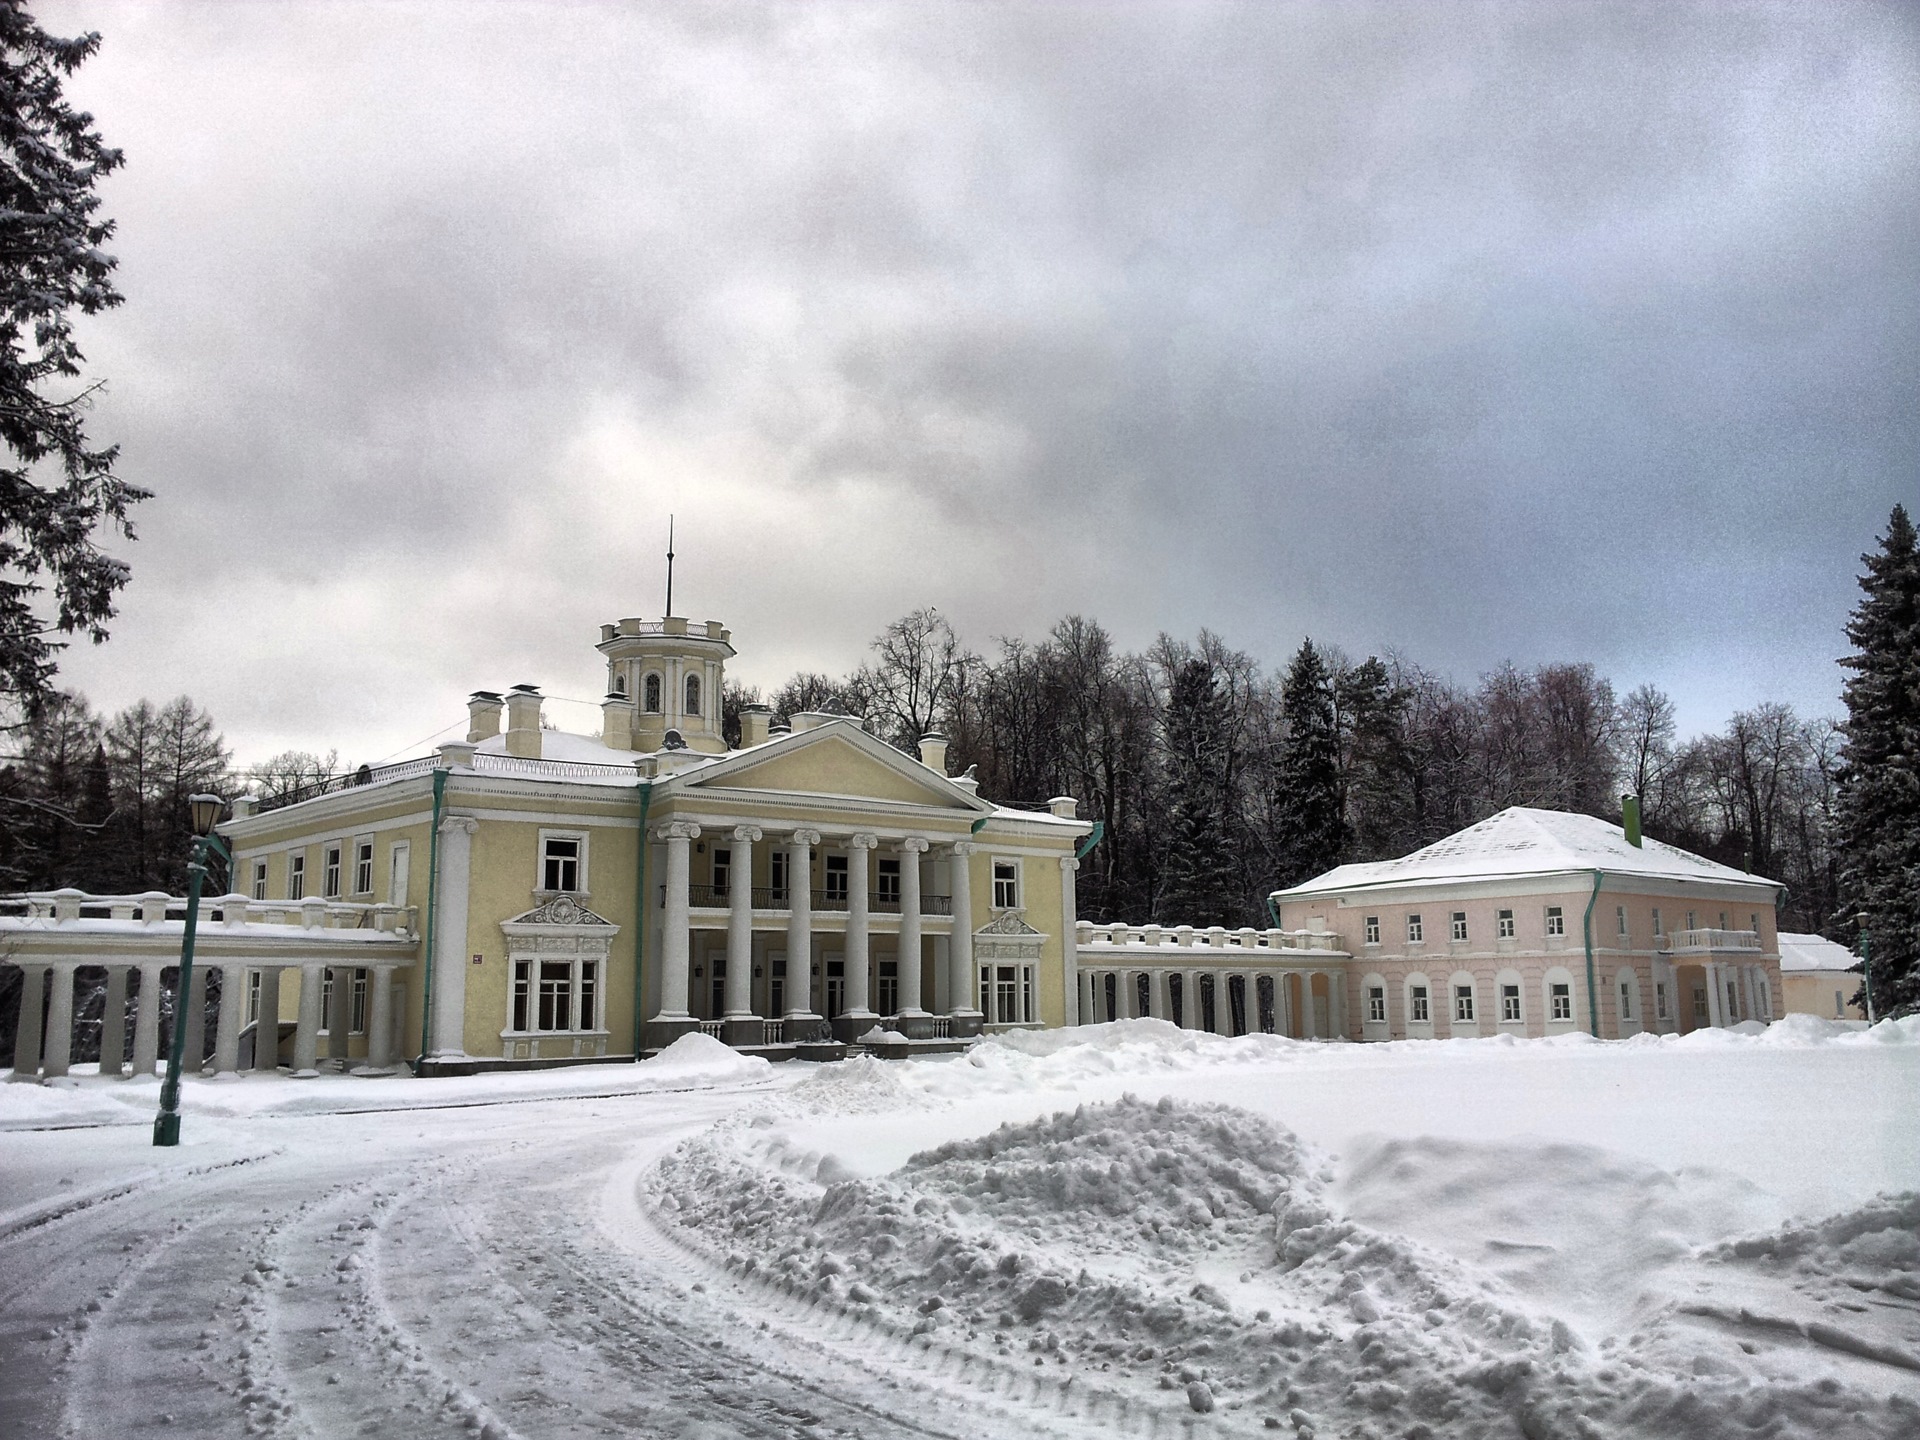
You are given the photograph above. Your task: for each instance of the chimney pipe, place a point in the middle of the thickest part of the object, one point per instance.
(1630, 818)
(933, 752)
(755, 725)
(523, 721)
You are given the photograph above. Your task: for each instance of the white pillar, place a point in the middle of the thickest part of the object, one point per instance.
(963, 989)
(800, 927)
(1309, 1011)
(1159, 1002)
(58, 1056)
(113, 1022)
(146, 1020)
(676, 947)
(1222, 1003)
(26, 1045)
(194, 1016)
(266, 1025)
(858, 952)
(306, 1032)
(910, 850)
(1190, 1013)
(739, 992)
(1083, 990)
(340, 1011)
(1069, 931)
(379, 1015)
(226, 1031)
(1716, 1005)
(449, 944)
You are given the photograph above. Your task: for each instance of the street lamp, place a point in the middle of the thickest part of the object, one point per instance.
(205, 810)
(1866, 960)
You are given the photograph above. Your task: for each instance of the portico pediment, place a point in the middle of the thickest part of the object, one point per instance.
(837, 760)
(562, 912)
(1007, 937)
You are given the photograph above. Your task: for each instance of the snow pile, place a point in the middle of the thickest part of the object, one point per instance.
(1194, 1249)
(698, 1056)
(1875, 1248)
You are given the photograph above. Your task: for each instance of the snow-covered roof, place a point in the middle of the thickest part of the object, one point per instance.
(1520, 842)
(1813, 952)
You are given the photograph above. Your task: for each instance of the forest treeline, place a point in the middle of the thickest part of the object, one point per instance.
(1217, 779)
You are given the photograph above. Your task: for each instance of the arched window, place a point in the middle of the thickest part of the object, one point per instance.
(693, 694)
(619, 684)
(650, 693)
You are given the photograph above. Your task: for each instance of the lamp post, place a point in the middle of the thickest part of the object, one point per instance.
(206, 814)
(1866, 961)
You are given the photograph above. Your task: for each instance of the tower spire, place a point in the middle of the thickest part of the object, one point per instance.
(669, 564)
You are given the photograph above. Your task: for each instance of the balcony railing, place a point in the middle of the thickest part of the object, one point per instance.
(1682, 942)
(1188, 937)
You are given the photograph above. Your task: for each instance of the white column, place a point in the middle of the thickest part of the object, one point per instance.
(800, 926)
(449, 943)
(1309, 1011)
(194, 1016)
(266, 1025)
(1069, 929)
(1159, 1002)
(963, 987)
(1716, 1004)
(1083, 989)
(58, 1056)
(379, 1015)
(306, 1031)
(226, 1031)
(859, 951)
(1190, 1013)
(1222, 1003)
(113, 1022)
(910, 850)
(676, 947)
(340, 1011)
(146, 1021)
(26, 1044)
(739, 993)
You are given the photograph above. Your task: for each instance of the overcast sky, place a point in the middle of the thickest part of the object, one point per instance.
(1530, 332)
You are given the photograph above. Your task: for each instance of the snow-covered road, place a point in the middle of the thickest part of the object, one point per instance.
(480, 1271)
(1455, 1240)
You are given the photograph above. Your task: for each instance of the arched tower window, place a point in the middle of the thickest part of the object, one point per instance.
(650, 694)
(693, 694)
(619, 684)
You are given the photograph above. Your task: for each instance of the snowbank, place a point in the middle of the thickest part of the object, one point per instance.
(1168, 1246)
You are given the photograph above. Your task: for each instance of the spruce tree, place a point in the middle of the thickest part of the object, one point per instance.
(1198, 887)
(1309, 827)
(1879, 807)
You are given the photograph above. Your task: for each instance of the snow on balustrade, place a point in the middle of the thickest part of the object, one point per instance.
(1684, 941)
(43, 912)
(1102, 939)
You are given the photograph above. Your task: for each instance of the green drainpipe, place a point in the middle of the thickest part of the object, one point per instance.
(1093, 838)
(433, 896)
(1273, 915)
(1593, 995)
(640, 919)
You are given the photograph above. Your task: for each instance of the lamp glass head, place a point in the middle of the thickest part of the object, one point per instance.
(206, 812)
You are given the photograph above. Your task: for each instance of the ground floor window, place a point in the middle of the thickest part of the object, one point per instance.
(1626, 1000)
(1006, 994)
(1699, 1004)
(1509, 1003)
(1376, 1005)
(1463, 1002)
(357, 1022)
(1562, 999)
(1660, 999)
(548, 995)
(253, 996)
(1420, 1016)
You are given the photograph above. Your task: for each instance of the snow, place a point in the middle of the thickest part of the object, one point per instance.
(1124, 1228)
(1522, 841)
(1801, 953)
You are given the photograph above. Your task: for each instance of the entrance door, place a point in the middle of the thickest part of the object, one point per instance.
(836, 984)
(719, 967)
(887, 998)
(776, 983)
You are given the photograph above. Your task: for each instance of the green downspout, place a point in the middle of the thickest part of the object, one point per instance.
(1273, 915)
(1593, 995)
(640, 919)
(1093, 838)
(433, 897)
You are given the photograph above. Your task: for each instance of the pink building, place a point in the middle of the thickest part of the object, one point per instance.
(1540, 922)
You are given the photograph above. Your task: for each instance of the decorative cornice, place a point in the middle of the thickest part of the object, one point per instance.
(561, 910)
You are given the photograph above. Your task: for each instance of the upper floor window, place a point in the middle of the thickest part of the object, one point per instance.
(693, 695)
(650, 694)
(1505, 924)
(1690, 924)
(363, 867)
(560, 863)
(778, 860)
(259, 879)
(331, 875)
(838, 872)
(1656, 921)
(722, 871)
(1459, 925)
(1006, 885)
(1373, 929)
(1620, 918)
(888, 888)
(296, 877)
(1556, 920)
(1414, 930)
